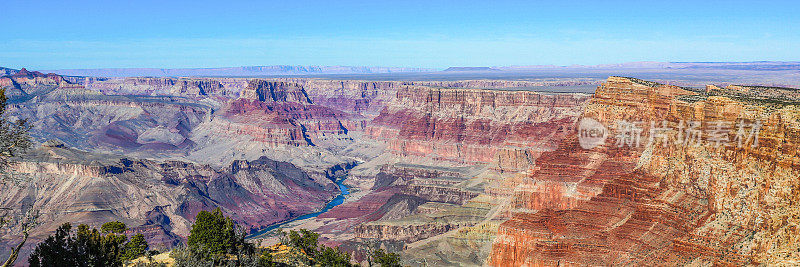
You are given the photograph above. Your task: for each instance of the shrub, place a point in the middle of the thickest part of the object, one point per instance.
(329, 256)
(135, 248)
(87, 247)
(384, 259)
(115, 227)
(212, 233)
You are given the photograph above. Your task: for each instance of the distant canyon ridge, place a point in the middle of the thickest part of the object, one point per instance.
(464, 167)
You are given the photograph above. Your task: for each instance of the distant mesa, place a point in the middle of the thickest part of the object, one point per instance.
(25, 73)
(246, 71)
(471, 69)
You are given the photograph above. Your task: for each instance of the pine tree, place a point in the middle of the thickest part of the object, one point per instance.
(215, 234)
(87, 247)
(135, 248)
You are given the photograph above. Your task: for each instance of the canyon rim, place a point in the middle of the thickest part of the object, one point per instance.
(443, 172)
(399, 133)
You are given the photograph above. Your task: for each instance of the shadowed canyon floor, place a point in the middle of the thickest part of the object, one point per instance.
(446, 172)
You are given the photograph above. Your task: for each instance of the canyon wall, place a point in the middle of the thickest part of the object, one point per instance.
(677, 200)
(159, 198)
(507, 129)
(444, 149)
(23, 85)
(466, 172)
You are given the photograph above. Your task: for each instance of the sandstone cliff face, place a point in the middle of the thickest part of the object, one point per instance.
(275, 91)
(366, 98)
(189, 87)
(505, 128)
(362, 97)
(24, 84)
(360, 100)
(287, 122)
(406, 233)
(676, 203)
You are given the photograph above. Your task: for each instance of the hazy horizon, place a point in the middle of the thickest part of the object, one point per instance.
(432, 68)
(425, 34)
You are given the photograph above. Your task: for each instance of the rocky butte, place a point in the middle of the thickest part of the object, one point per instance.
(446, 172)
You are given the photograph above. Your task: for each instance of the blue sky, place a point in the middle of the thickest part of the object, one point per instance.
(171, 34)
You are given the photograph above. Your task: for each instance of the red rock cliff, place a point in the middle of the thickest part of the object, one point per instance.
(506, 128)
(672, 203)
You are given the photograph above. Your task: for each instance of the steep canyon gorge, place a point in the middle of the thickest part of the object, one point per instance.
(447, 172)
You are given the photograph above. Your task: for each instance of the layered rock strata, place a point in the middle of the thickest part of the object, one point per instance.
(159, 198)
(507, 129)
(707, 200)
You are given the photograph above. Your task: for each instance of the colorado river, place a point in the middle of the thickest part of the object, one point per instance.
(333, 203)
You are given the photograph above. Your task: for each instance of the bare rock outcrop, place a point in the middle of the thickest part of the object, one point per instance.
(677, 202)
(159, 199)
(508, 129)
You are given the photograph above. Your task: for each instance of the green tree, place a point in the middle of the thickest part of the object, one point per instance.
(99, 249)
(212, 233)
(135, 248)
(329, 256)
(384, 259)
(266, 260)
(308, 243)
(304, 240)
(57, 250)
(215, 240)
(86, 247)
(115, 227)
